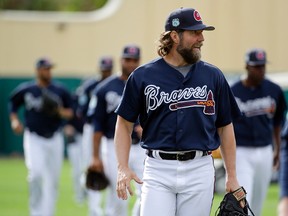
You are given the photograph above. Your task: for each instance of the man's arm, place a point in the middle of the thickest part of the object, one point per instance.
(97, 164)
(277, 143)
(65, 113)
(228, 152)
(16, 125)
(122, 141)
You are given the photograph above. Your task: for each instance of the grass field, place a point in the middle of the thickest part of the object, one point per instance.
(14, 192)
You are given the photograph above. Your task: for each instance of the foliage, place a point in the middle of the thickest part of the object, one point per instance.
(52, 5)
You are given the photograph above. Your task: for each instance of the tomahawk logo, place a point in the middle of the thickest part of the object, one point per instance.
(181, 99)
(208, 104)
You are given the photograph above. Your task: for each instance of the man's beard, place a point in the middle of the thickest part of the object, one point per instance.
(45, 80)
(126, 71)
(189, 55)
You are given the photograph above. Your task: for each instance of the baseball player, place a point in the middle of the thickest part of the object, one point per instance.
(43, 139)
(105, 100)
(85, 92)
(283, 174)
(263, 106)
(185, 107)
(73, 133)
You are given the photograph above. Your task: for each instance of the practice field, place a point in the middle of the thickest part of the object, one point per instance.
(14, 192)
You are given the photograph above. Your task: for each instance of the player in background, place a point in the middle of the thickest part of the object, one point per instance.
(85, 92)
(185, 107)
(283, 174)
(105, 100)
(257, 132)
(73, 131)
(43, 138)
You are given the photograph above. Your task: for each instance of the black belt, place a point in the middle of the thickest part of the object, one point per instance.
(46, 135)
(183, 156)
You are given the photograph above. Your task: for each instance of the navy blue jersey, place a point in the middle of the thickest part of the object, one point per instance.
(263, 108)
(29, 94)
(77, 121)
(105, 99)
(84, 93)
(176, 112)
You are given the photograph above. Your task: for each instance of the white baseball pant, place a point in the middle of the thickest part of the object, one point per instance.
(43, 158)
(114, 205)
(177, 188)
(94, 197)
(136, 162)
(74, 153)
(254, 167)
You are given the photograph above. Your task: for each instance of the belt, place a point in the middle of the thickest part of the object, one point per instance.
(181, 156)
(46, 135)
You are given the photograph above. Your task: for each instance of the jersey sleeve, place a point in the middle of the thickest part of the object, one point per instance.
(16, 99)
(129, 107)
(97, 110)
(84, 93)
(228, 109)
(281, 108)
(67, 99)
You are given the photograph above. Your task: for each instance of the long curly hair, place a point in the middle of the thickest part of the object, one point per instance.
(166, 42)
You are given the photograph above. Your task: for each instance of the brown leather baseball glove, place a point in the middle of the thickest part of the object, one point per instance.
(96, 180)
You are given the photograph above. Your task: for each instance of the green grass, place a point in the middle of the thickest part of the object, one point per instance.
(14, 192)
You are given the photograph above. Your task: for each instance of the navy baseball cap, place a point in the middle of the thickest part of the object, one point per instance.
(106, 63)
(186, 19)
(44, 63)
(255, 57)
(131, 51)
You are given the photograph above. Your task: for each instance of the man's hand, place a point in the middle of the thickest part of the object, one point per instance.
(125, 175)
(96, 165)
(16, 126)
